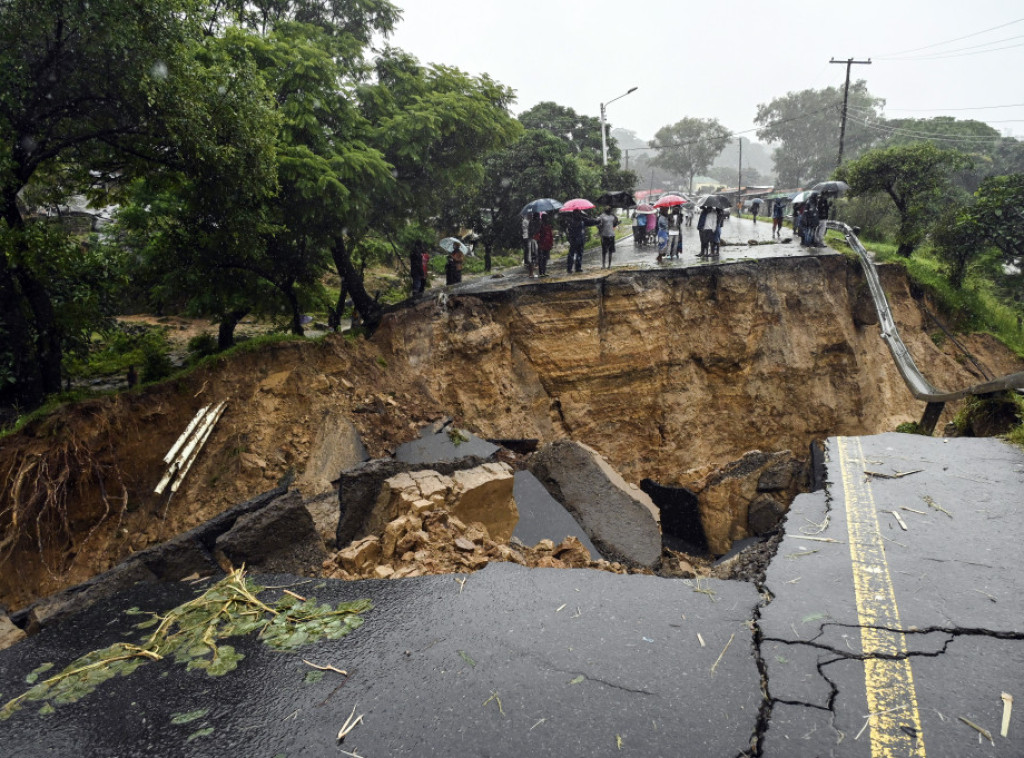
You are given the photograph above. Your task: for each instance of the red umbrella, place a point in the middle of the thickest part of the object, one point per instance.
(578, 204)
(669, 200)
(644, 208)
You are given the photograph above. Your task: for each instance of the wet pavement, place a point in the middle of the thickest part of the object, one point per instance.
(889, 618)
(737, 234)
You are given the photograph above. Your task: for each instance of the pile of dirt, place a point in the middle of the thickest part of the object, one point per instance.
(438, 543)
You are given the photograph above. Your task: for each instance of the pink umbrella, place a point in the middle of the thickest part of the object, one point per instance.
(578, 204)
(644, 208)
(670, 200)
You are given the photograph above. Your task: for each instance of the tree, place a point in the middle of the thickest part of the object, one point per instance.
(915, 177)
(539, 164)
(689, 146)
(583, 133)
(806, 126)
(107, 90)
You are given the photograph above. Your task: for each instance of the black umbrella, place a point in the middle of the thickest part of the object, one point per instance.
(714, 201)
(541, 205)
(831, 188)
(620, 199)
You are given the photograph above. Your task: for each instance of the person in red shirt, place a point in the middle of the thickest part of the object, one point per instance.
(545, 237)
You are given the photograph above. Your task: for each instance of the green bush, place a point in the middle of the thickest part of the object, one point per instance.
(201, 345)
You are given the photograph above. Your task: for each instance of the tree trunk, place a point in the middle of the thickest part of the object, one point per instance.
(226, 330)
(35, 344)
(336, 313)
(288, 288)
(367, 307)
(487, 257)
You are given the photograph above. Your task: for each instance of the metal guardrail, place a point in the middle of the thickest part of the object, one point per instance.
(920, 387)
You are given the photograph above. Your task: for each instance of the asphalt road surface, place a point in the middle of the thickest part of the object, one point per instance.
(890, 618)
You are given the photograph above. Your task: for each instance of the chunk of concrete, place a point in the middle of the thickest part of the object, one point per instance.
(484, 494)
(618, 517)
(278, 538)
(337, 447)
(543, 517)
(359, 487)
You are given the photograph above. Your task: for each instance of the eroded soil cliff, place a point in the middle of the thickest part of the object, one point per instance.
(669, 374)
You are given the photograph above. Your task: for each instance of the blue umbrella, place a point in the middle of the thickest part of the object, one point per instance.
(542, 205)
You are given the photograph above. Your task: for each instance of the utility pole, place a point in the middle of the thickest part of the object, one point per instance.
(846, 97)
(739, 182)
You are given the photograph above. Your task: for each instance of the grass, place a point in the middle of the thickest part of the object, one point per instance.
(976, 306)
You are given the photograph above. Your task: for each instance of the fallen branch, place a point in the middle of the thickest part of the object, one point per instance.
(722, 654)
(897, 475)
(349, 725)
(325, 668)
(983, 732)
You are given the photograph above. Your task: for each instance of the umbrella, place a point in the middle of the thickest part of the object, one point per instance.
(669, 200)
(541, 205)
(645, 208)
(803, 197)
(448, 244)
(576, 204)
(831, 188)
(756, 201)
(714, 201)
(620, 199)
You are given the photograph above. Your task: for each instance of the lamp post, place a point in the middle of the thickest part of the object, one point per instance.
(604, 143)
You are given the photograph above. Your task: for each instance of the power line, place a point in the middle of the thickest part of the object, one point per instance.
(976, 108)
(955, 50)
(897, 131)
(957, 39)
(958, 55)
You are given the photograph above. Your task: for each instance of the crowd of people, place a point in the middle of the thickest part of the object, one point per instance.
(661, 227)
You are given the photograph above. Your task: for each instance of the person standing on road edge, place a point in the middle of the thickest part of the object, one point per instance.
(606, 224)
(823, 209)
(545, 241)
(417, 269)
(776, 219)
(576, 230)
(702, 232)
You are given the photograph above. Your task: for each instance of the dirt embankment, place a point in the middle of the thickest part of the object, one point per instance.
(668, 374)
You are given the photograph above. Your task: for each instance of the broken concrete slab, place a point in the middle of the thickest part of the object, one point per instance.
(187, 554)
(543, 517)
(481, 494)
(444, 442)
(619, 518)
(280, 537)
(336, 447)
(485, 495)
(508, 674)
(359, 487)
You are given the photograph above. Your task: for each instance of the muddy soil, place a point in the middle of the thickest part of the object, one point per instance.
(657, 377)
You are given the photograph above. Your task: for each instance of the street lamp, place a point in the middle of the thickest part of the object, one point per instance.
(604, 143)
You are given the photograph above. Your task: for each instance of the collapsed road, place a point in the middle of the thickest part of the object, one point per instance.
(887, 624)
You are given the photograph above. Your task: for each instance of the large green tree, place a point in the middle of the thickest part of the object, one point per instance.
(690, 146)
(916, 177)
(805, 125)
(108, 90)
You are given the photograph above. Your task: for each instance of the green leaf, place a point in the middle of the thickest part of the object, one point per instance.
(204, 732)
(34, 675)
(190, 716)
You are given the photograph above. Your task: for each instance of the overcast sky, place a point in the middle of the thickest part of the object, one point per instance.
(719, 60)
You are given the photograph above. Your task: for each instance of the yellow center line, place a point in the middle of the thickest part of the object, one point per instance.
(892, 702)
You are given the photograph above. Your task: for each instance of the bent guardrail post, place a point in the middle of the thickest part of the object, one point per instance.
(919, 387)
